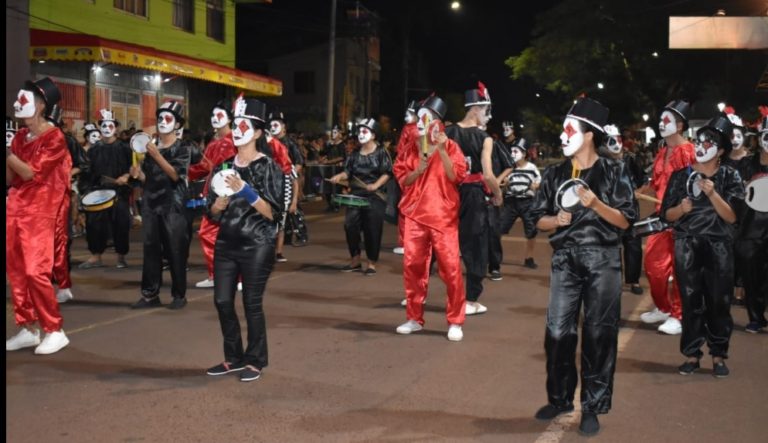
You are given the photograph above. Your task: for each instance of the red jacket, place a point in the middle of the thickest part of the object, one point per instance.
(217, 151)
(683, 155)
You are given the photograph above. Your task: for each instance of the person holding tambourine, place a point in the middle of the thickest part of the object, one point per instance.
(367, 169)
(247, 207)
(588, 201)
(699, 203)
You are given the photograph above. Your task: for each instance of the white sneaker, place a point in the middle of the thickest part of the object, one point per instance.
(207, 283)
(53, 342)
(24, 339)
(399, 250)
(474, 308)
(64, 295)
(671, 327)
(455, 333)
(408, 327)
(404, 302)
(654, 316)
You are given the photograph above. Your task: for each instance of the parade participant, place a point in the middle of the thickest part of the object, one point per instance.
(219, 149)
(277, 129)
(520, 190)
(586, 264)
(703, 233)
(408, 134)
(632, 246)
(502, 165)
(675, 153)
(91, 136)
(11, 127)
(429, 172)
(333, 154)
(366, 170)
(164, 175)
(245, 245)
(480, 182)
(508, 130)
(752, 241)
(109, 164)
(37, 167)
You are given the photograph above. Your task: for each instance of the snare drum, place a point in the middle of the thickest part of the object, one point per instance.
(98, 200)
(757, 194)
(139, 142)
(567, 197)
(219, 184)
(518, 184)
(649, 225)
(351, 201)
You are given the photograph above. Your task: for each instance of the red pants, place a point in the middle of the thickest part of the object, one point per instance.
(419, 241)
(29, 263)
(659, 266)
(208, 232)
(400, 229)
(61, 246)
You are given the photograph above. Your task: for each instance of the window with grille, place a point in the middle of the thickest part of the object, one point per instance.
(184, 14)
(215, 19)
(136, 7)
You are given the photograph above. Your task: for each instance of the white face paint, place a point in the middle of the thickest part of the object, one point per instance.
(9, 138)
(517, 154)
(425, 119)
(335, 134)
(764, 141)
(738, 139)
(485, 115)
(508, 130)
(243, 131)
(410, 117)
(24, 106)
(706, 147)
(166, 122)
(572, 138)
(613, 144)
(275, 127)
(107, 128)
(365, 135)
(667, 124)
(219, 118)
(94, 137)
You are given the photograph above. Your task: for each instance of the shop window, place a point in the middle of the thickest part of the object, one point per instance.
(304, 82)
(136, 7)
(215, 19)
(184, 14)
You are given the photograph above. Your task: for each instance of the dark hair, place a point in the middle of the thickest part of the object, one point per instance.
(597, 136)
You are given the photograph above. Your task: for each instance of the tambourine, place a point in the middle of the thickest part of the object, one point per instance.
(139, 142)
(757, 194)
(219, 183)
(692, 185)
(567, 197)
(519, 183)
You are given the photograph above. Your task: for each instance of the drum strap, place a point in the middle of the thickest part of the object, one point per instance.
(575, 170)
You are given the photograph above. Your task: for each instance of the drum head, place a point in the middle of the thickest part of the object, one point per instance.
(219, 185)
(139, 142)
(692, 186)
(519, 183)
(98, 197)
(757, 194)
(567, 197)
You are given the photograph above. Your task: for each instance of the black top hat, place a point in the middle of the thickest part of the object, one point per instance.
(477, 97)
(369, 123)
(411, 106)
(722, 125)
(11, 125)
(54, 115)
(174, 108)
(88, 128)
(591, 112)
(436, 105)
(522, 144)
(46, 89)
(252, 109)
(276, 115)
(222, 104)
(681, 108)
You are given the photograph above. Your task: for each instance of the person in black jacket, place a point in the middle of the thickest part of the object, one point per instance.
(245, 246)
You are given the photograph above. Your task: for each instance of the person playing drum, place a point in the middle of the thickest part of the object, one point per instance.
(367, 169)
(586, 265)
(109, 163)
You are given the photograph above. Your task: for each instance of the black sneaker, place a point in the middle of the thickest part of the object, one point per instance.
(589, 424)
(549, 412)
(529, 263)
(144, 303)
(754, 327)
(720, 370)
(225, 368)
(495, 275)
(250, 373)
(636, 289)
(280, 258)
(369, 272)
(688, 367)
(178, 303)
(350, 268)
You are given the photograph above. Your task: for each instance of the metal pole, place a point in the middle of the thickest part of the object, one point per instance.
(331, 61)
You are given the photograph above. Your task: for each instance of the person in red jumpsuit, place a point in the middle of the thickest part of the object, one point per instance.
(37, 167)
(219, 149)
(429, 174)
(676, 153)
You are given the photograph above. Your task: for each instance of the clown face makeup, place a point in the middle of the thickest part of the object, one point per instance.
(613, 144)
(508, 131)
(94, 137)
(738, 139)
(517, 154)
(667, 124)
(572, 138)
(275, 128)
(24, 106)
(425, 119)
(107, 128)
(9, 138)
(410, 117)
(166, 123)
(764, 141)
(365, 135)
(243, 131)
(707, 146)
(219, 118)
(485, 115)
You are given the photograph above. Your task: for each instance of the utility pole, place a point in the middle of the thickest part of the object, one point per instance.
(331, 62)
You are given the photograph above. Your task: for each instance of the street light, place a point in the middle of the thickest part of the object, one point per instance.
(720, 106)
(645, 117)
(655, 54)
(455, 6)
(600, 86)
(538, 95)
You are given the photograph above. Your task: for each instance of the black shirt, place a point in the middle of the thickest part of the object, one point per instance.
(109, 160)
(610, 182)
(501, 158)
(471, 142)
(368, 168)
(332, 151)
(161, 194)
(752, 224)
(297, 158)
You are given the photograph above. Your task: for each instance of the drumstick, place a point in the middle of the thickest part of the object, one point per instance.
(340, 182)
(108, 179)
(647, 198)
(364, 185)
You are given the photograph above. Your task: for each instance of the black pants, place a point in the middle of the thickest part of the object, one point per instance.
(752, 259)
(166, 235)
(495, 251)
(117, 220)
(704, 273)
(514, 208)
(474, 230)
(369, 221)
(255, 270)
(590, 276)
(633, 258)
